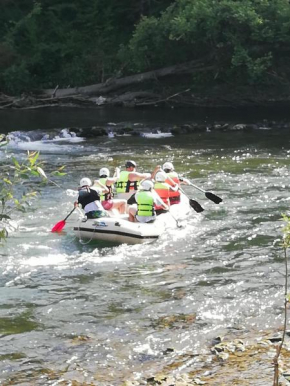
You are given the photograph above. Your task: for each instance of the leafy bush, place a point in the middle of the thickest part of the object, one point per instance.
(19, 184)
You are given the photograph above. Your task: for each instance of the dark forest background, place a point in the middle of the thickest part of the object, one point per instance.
(74, 43)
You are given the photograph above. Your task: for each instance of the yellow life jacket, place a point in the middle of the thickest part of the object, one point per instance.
(123, 184)
(109, 195)
(145, 204)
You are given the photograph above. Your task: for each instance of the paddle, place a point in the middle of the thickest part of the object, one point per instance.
(60, 225)
(209, 195)
(194, 204)
(177, 224)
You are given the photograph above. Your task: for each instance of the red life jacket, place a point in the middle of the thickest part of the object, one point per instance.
(162, 189)
(174, 197)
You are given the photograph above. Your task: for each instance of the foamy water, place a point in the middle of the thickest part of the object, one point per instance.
(105, 314)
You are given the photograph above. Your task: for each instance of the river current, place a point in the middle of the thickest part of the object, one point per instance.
(105, 314)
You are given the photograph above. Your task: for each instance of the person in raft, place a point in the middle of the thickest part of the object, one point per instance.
(107, 197)
(128, 181)
(163, 189)
(89, 199)
(147, 198)
(173, 180)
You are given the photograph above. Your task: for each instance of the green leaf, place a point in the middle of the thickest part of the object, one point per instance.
(34, 173)
(24, 176)
(58, 174)
(288, 298)
(16, 163)
(32, 157)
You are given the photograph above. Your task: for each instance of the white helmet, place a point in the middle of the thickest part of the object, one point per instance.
(160, 177)
(85, 182)
(104, 172)
(147, 185)
(168, 166)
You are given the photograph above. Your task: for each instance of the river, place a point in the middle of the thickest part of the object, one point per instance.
(105, 314)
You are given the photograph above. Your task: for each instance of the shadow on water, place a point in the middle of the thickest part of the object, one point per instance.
(12, 120)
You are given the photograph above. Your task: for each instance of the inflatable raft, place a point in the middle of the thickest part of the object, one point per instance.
(118, 229)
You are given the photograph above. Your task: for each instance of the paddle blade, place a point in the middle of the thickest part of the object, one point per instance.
(213, 197)
(59, 226)
(196, 206)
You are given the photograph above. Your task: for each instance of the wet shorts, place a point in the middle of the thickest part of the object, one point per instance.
(107, 204)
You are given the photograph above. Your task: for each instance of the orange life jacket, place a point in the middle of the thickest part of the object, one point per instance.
(162, 189)
(174, 197)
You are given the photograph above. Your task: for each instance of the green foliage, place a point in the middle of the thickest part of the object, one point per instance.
(242, 38)
(76, 42)
(19, 184)
(17, 78)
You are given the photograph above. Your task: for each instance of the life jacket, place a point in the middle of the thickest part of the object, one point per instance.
(174, 197)
(109, 195)
(145, 204)
(123, 184)
(87, 196)
(163, 190)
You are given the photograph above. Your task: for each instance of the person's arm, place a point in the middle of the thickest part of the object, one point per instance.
(135, 176)
(114, 179)
(102, 186)
(157, 169)
(173, 187)
(117, 173)
(184, 181)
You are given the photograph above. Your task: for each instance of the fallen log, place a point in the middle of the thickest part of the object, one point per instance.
(114, 84)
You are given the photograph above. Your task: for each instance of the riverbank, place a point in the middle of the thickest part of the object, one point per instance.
(177, 95)
(243, 358)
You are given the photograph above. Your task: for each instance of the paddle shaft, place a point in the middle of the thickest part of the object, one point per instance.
(193, 203)
(178, 225)
(190, 183)
(211, 196)
(70, 213)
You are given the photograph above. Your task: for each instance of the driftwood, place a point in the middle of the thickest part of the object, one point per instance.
(114, 84)
(161, 100)
(28, 102)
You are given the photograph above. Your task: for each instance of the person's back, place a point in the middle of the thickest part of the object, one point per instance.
(162, 188)
(146, 199)
(107, 199)
(172, 180)
(128, 181)
(145, 203)
(90, 200)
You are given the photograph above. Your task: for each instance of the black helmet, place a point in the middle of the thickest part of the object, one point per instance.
(130, 164)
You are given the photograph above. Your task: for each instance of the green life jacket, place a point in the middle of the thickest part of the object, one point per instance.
(145, 204)
(109, 195)
(123, 184)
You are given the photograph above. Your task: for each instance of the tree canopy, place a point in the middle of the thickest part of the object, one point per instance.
(46, 43)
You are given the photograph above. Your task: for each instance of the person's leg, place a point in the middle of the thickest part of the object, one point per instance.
(132, 213)
(121, 205)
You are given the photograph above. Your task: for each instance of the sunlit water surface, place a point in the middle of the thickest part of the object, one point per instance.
(105, 314)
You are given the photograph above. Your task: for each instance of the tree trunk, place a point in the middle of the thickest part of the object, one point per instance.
(114, 84)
